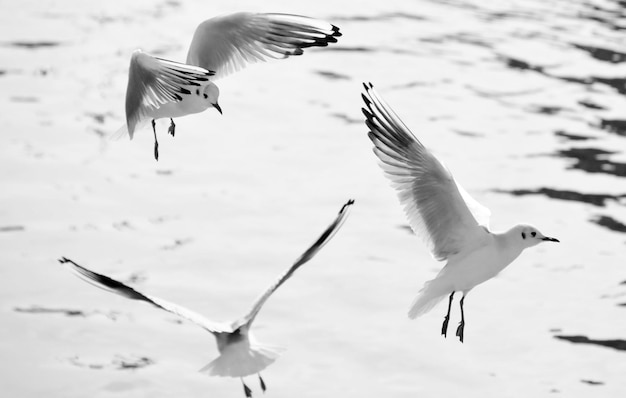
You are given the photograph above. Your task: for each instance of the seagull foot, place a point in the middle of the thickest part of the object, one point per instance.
(262, 384)
(156, 142)
(247, 390)
(444, 327)
(172, 129)
(459, 330)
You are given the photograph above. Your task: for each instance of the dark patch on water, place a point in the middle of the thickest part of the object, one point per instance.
(33, 45)
(594, 199)
(617, 126)
(407, 228)
(122, 225)
(515, 63)
(118, 363)
(603, 54)
(608, 22)
(410, 85)
(99, 118)
(592, 382)
(332, 75)
(42, 310)
(381, 17)
(132, 363)
(12, 228)
(591, 105)
(610, 223)
(25, 99)
(466, 133)
(460, 37)
(546, 109)
(351, 49)
(135, 278)
(37, 309)
(573, 137)
(177, 244)
(589, 160)
(616, 344)
(346, 118)
(165, 172)
(618, 83)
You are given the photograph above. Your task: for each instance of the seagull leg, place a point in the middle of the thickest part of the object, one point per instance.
(262, 383)
(444, 327)
(156, 142)
(172, 129)
(459, 330)
(246, 389)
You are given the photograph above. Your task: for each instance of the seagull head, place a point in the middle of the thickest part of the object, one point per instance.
(212, 94)
(529, 236)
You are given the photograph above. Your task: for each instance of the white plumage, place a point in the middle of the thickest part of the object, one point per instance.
(454, 226)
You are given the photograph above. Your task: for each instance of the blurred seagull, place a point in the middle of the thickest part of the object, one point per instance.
(158, 88)
(453, 225)
(240, 354)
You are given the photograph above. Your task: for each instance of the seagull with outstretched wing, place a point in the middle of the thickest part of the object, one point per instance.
(454, 226)
(158, 88)
(240, 354)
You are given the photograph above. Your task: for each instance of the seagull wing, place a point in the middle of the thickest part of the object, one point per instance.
(433, 202)
(153, 82)
(113, 286)
(228, 43)
(326, 236)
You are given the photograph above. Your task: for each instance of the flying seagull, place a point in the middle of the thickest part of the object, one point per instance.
(454, 226)
(240, 354)
(159, 88)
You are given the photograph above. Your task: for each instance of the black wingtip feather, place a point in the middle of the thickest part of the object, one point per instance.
(350, 202)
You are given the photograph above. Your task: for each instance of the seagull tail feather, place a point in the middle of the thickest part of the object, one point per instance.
(235, 362)
(121, 132)
(429, 296)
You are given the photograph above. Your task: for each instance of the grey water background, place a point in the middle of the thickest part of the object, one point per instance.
(522, 100)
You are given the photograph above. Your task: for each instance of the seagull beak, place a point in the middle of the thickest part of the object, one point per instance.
(218, 107)
(547, 239)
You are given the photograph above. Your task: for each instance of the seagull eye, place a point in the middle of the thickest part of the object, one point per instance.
(533, 233)
(206, 96)
(523, 235)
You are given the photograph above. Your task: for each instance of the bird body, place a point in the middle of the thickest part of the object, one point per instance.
(240, 355)
(454, 226)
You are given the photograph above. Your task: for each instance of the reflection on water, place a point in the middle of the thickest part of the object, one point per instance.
(573, 137)
(593, 160)
(37, 309)
(603, 54)
(614, 125)
(610, 223)
(119, 362)
(34, 45)
(616, 344)
(593, 199)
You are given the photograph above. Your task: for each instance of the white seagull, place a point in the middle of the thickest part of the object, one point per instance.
(240, 354)
(452, 224)
(158, 88)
